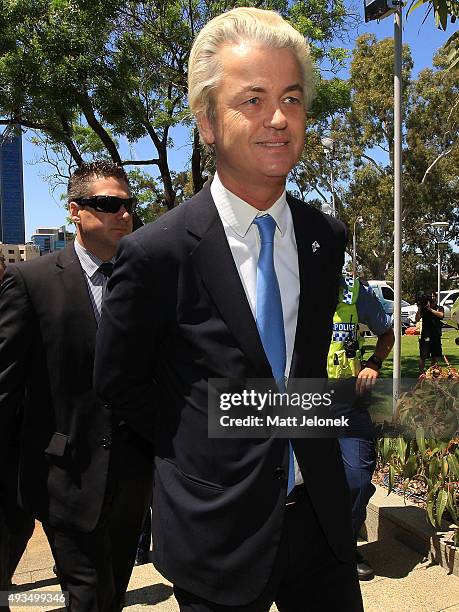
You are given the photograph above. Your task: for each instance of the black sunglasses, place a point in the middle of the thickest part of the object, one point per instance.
(107, 204)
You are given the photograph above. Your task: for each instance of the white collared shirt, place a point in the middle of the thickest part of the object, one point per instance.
(244, 241)
(95, 280)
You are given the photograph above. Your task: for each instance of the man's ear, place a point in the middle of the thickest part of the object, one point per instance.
(74, 212)
(206, 128)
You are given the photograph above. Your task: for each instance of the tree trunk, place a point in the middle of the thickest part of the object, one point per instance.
(162, 163)
(68, 142)
(169, 193)
(88, 112)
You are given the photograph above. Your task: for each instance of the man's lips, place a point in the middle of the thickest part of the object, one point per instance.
(273, 143)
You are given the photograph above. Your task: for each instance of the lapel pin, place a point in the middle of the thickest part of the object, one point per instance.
(315, 245)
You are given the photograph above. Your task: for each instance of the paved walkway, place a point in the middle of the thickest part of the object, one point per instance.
(404, 581)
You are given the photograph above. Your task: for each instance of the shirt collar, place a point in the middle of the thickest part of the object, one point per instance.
(89, 262)
(239, 215)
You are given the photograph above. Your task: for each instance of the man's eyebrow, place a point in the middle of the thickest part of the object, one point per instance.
(259, 89)
(294, 87)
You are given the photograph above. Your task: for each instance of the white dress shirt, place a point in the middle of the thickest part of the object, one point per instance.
(244, 241)
(95, 280)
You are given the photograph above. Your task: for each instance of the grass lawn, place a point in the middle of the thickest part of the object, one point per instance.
(410, 353)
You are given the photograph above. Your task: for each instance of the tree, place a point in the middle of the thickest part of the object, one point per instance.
(364, 171)
(118, 68)
(363, 130)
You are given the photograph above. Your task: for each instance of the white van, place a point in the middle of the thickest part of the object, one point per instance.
(385, 295)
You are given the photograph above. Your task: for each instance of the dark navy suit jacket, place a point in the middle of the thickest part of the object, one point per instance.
(176, 315)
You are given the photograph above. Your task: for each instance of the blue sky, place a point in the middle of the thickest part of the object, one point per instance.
(43, 209)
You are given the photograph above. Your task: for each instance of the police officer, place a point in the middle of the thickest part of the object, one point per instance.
(358, 304)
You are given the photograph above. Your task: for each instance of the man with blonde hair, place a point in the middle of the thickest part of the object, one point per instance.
(219, 289)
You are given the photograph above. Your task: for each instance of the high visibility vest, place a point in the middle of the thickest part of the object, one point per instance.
(345, 327)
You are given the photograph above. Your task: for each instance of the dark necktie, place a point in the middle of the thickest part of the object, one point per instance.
(106, 269)
(270, 318)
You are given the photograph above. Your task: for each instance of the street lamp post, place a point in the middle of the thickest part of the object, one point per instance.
(397, 203)
(378, 9)
(328, 144)
(439, 228)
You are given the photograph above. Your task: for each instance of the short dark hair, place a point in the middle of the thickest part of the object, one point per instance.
(87, 172)
(2, 261)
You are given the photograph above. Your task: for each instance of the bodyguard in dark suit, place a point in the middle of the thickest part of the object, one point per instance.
(226, 286)
(16, 526)
(82, 472)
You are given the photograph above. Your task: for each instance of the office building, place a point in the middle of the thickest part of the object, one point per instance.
(12, 224)
(15, 253)
(50, 239)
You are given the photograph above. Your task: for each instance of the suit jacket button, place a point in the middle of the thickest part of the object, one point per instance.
(105, 443)
(280, 473)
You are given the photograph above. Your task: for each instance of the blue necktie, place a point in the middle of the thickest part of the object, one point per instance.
(270, 319)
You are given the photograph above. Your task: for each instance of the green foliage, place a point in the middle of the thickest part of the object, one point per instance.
(362, 126)
(119, 68)
(432, 461)
(452, 47)
(150, 204)
(442, 9)
(371, 80)
(431, 406)
(433, 403)
(332, 96)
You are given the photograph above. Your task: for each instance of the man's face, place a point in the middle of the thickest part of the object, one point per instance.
(259, 126)
(101, 232)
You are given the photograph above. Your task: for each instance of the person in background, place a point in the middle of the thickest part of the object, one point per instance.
(358, 304)
(84, 474)
(220, 287)
(430, 314)
(16, 525)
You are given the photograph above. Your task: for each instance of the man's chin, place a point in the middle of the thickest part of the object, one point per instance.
(276, 176)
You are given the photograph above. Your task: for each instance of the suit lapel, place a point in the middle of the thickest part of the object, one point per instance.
(77, 292)
(304, 239)
(213, 260)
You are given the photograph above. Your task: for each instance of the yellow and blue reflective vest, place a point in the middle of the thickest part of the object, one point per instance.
(345, 326)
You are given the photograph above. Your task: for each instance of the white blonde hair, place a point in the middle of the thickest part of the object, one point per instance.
(236, 26)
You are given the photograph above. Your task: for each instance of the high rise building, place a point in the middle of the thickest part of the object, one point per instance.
(50, 239)
(12, 225)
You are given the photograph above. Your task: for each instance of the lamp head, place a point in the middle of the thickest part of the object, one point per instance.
(328, 144)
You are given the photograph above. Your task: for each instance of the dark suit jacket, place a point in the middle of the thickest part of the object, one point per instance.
(177, 315)
(47, 338)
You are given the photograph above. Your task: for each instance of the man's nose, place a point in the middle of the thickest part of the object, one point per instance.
(276, 118)
(123, 213)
